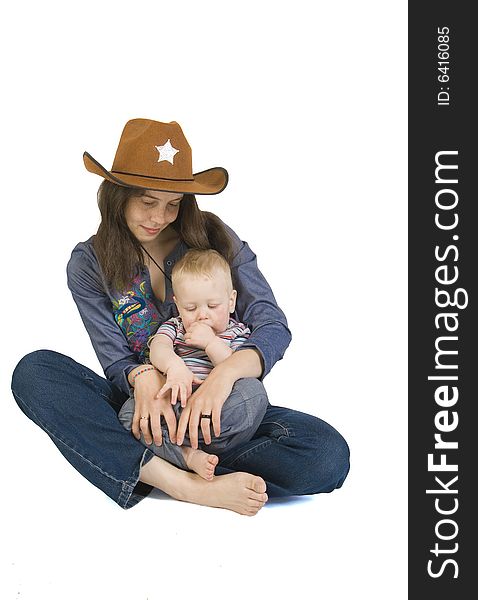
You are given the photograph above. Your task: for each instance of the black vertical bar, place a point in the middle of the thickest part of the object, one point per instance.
(443, 234)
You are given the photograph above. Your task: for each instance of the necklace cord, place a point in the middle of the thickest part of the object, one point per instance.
(160, 268)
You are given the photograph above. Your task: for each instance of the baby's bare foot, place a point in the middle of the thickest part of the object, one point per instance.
(200, 462)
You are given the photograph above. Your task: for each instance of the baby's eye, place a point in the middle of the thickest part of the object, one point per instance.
(213, 305)
(190, 309)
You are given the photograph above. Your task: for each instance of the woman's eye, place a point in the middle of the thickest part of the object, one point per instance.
(173, 205)
(148, 203)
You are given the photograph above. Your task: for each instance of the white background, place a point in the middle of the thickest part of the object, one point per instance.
(305, 104)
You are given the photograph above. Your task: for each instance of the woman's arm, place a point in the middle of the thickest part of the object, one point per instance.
(95, 308)
(241, 364)
(257, 307)
(120, 364)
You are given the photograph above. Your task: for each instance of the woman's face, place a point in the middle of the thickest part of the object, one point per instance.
(148, 214)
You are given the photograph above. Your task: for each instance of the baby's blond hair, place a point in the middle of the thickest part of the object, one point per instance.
(202, 262)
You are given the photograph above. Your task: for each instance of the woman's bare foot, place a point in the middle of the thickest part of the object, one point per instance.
(240, 492)
(200, 462)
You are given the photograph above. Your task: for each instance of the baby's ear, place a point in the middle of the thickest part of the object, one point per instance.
(232, 301)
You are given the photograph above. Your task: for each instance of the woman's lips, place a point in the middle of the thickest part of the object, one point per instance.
(151, 231)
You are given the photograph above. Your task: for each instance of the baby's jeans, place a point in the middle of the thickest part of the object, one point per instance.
(241, 415)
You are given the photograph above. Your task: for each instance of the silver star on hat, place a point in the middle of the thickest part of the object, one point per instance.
(167, 152)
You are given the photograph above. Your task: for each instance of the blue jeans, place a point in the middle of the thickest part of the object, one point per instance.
(293, 452)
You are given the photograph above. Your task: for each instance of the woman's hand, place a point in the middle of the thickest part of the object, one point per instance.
(179, 381)
(206, 400)
(147, 405)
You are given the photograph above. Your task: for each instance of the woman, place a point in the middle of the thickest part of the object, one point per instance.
(120, 280)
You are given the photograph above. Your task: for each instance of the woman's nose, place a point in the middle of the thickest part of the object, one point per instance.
(158, 215)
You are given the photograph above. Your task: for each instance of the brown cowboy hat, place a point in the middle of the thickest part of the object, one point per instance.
(156, 156)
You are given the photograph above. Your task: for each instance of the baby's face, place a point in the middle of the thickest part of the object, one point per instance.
(205, 299)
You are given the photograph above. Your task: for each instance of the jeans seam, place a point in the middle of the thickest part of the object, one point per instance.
(127, 488)
(247, 403)
(249, 451)
(50, 433)
(90, 379)
(288, 432)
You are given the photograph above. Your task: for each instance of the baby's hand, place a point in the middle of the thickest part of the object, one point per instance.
(199, 335)
(179, 379)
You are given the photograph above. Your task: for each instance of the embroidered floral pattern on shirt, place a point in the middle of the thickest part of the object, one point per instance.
(136, 314)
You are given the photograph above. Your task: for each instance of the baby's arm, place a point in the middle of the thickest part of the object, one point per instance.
(162, 353)
(179, 378)
(202, 336)
(218, 350)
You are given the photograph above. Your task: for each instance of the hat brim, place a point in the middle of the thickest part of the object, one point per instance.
(212, 181)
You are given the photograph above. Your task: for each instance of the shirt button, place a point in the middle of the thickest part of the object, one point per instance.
(169, 262)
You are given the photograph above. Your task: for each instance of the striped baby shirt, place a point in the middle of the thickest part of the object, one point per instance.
(196, 359)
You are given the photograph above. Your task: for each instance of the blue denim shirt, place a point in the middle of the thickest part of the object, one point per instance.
(120, 323)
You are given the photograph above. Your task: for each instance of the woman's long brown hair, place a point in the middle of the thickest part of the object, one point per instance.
(119, 252)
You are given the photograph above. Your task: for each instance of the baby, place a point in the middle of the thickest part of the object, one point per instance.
(187, 348)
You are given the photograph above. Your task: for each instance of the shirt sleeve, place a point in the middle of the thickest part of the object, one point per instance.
(257, 307)
(169, 329)
(94, 305)
(238, 333)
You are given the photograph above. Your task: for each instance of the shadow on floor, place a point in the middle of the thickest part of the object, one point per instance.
(271, 503)
(289, 500)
